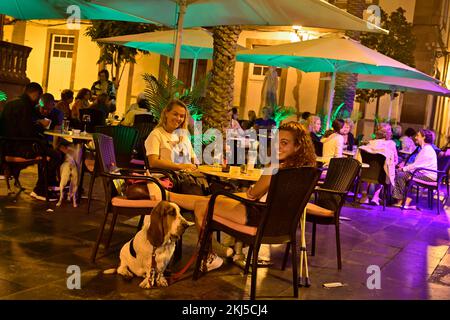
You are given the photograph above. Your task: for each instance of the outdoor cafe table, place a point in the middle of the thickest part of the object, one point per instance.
(216, 171)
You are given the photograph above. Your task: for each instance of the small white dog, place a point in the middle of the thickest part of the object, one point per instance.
(69, 172)
(149, 252)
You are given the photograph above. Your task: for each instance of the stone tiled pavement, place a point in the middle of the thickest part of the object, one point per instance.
(410, 247)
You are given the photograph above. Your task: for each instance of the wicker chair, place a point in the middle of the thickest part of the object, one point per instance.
(117, 204)
(374, 174)
(280, 216)
(124, 139)
(12, 165)
(330, 198)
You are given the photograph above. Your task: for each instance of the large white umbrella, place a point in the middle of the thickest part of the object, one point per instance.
(196, 44)
(396, 84)
(198, 13)
(331, 54)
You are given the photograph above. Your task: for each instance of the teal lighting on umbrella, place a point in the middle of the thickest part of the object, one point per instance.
(396, 84)
(196, 44)
(61, 9)
(201, 13)
(331, 54)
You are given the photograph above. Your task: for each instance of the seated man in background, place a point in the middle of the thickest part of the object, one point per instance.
(266, 122)
(46, 115)
(18, 119)
(140, 107)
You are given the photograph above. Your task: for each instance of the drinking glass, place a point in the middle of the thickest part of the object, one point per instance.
(86, 120)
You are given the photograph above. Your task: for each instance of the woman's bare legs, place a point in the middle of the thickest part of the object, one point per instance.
(186, 201)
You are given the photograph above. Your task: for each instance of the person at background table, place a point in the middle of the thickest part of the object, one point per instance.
(304, 118)
(102, 104)
(314, 126)
(168, 146)
(64, 104)
(349, 138)
(295, 150)
(387, 147)
(426, 159)
(251, 119)
(18, 121)
(140, 107)
(407, 140)
(266, 122)
(82, 101)
(46, 116)
(333, 141)
(445, 151)
(234, 122)
(104, 85)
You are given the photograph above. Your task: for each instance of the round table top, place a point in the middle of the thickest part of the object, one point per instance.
(252, 175)
(70, 135)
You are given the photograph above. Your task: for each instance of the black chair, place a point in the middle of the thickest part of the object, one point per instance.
(442, 174)
(330, 198)
(11, 165)
(280, 217)
(374, 174)
(144, 129)
(117, 204)
(144, 118)
(97, 118)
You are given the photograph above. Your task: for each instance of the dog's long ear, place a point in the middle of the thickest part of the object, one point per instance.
(156, 232)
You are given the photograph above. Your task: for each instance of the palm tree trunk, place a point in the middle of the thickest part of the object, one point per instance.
(346, 83)
(219, 95)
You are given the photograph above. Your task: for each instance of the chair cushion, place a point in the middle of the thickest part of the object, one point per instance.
(20, 159)
(124, 202)
(424, 182)
(315, 210)
(236, 226)
(90, 163)
(137, 162)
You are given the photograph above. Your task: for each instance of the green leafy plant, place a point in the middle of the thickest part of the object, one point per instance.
(279, 113)
(334, 115)
(3, 96)
(160, 91)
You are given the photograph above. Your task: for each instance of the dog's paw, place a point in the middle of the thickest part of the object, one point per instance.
(145, 284)
(58, 204)
(162, 282)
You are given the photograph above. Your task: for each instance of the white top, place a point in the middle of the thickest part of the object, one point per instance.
(408, 144)
(175, 146)
(388, 149)
(332, 146)
(427, 159)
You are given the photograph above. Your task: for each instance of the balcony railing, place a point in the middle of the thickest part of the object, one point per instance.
(13, 61)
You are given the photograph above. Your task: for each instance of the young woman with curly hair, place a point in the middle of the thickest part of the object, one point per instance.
(295, 150)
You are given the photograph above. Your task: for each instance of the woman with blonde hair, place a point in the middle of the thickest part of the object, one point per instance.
(295, 150)
(168, 146)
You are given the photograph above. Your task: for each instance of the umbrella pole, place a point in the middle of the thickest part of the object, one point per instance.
(331, 98)
(390, 104)
(177, 53)
(194, 71)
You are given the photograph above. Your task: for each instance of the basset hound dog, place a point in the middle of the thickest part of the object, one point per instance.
(149, 252)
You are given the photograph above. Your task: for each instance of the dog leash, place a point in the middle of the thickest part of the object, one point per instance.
(178, 276)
